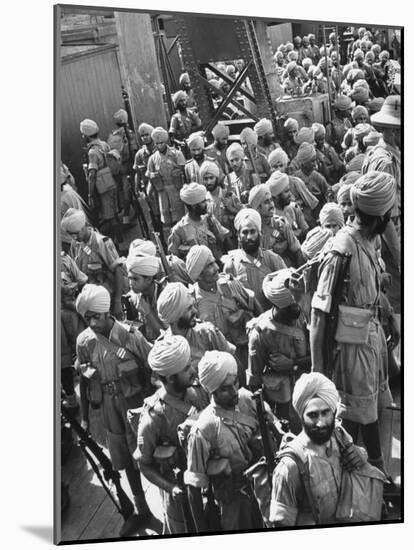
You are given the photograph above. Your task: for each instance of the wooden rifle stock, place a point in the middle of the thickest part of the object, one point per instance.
(162, 255)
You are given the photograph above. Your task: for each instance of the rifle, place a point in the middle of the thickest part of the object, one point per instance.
(91, 449)
(184, 503)
(252, 161)
(163, 257)
(340, 285)
(269, 454)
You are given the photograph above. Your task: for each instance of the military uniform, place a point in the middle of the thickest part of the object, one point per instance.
(162, 414)
(187, 232)
(261, 164)
(223, 205)
(144, 312)
(266, 150)
(251, 271)
(184, 124)
(124, 141)
(108, 201)
(219, 156)
(335, 132)
(359, 370)
(278, 235)
(140, 166)
(192, 169)
(229, 434)
(116, 369)
(98, 259)
(291, 149)
(331, 166)
(318, 186)
(294, 215)
(284, 343)
(244, 181)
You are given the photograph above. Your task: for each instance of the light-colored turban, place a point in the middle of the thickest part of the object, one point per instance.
(277, 183)
(215, 82)
(291, 66)
(214, 367)
(355, 164)
(209, 167)
(306, 153)
(359, 54)
(73, 220)
(193, 193)
(360, 93)
(305, 135)
(248, 136)
(384, 55)
(278, 55)
(93, 298)
(178, 96)
(184, 77)
(358, 111)
(314, 385)
(372, 138)
(145, 128)
(172, 302)
(350, 178)
(246, 215)
(306, 63)
(140, 246)
(170, 355)
(121, 117)
(263, 127)
(344, 193)
(235, 151)
(220, 130)
(361, 82)
(374, 193)
(343, 103)
(159, 134)
(198, 257)
(195, 141)
(319, 130)
(315, 241)
(289, 46)
(258, 194)
(276, 156)
(144, 264)
(293, 55)
(230, 69)
(275, 290)
(291, 124)
(89, 127)
(331, 213)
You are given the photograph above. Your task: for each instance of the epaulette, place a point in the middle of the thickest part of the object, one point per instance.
(152, 400)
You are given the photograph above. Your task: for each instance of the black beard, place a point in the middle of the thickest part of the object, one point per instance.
(319, 436)
(198, 157)
(220, 146)
(251, 247)
(267, 140)
(185, 324)
(381, 226)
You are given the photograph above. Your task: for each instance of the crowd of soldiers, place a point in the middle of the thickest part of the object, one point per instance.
(275, 273)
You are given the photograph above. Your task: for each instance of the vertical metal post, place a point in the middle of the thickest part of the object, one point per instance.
(162, 66)
(327, 73)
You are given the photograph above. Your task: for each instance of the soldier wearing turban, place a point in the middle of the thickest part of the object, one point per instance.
(291, 127)
(164, 414)
(360, 362)
(329, 163)
(265, 137)
(217, 150)
(256, 161)
(340, 123)
(112, 360)
(198, 157)
(140, 167)
(218, 374)
(184, 121)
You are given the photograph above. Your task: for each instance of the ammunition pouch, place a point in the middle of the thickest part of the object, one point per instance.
(130, 382)
(104, 180)
(156, 181)
(352, 325)
(177, 181)
(166, 456)
(94, 392)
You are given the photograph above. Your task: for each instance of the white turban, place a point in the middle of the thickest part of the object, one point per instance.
(193, 193)
(374, 193)
(248, 215)
(196, 141)
(73, 220)
(248, 136)
(172, 302)
(145, 128)
(372, 138)
(258, 194)
(197, 258)
(275, 290)
(220, 130)
(277, 183)
(235, 150)
(263, 127)
(343, 193)
(89, 127)
(178, 96)
(140, 246)
(94, 298)
(314, 385)
(306, 153)
(121, 117)
(315, 241)
(170, 355)
(143, 264)
(305, 135)
(209, 167)
(184, 77)
(214, 367)
(276, 156)
(331, 213)
(362, 130)
(159, 134)
(291, 124)
(318, 129)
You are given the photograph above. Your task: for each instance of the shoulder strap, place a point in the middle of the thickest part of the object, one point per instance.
(294, 451)
(177, 404)
(289, 331)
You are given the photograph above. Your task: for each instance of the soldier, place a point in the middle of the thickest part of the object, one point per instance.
(291, 127)
(331, 220)
(277, 233)
(158, 451)
(217, 150)
(337, 127)
(143, 296)
(96, 256)
(197, 227)
(185, 84)
(359, 367)
(314, 52)
(112, 359)
(330, 165)
(102, 191)
(279, 187)
(265, 137)
(305, 135)
(250, 263)
(278, 343)
(256, 162)
(165, 172)
(222, 444)
(293, 83)
(242, 179)
(192, 167)
(185, 121)
(124, 141)
(222, 300)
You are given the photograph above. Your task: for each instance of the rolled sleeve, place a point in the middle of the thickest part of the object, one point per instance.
(322, 299)
(197, 458)
(147, 440)
(284, 503)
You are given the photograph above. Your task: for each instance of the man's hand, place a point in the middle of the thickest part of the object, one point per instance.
(394, 339)
(352, 458)
(177, 492)
(85, 425)
(117, 310)
(91, 202)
